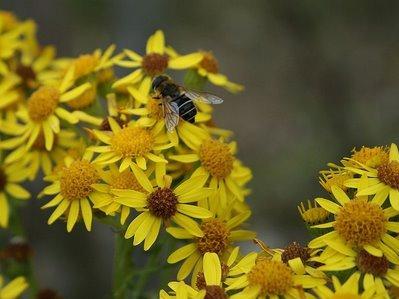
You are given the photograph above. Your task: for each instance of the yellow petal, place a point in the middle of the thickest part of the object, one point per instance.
(186, 61)
(86, 213)
(73, 215)
(182, 253)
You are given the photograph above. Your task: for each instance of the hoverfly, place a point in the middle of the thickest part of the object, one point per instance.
(177, 102)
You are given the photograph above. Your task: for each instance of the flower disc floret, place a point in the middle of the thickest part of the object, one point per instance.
(42, 103)
(162, 203)
(273, 277)
(216, 236)
(360, 222)
(388, 173)
(132, 142)
(76, 180)
(216, 158)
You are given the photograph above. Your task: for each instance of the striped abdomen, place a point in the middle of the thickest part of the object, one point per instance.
(187, 109)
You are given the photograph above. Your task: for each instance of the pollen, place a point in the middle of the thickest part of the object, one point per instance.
(371, 156)
(155, 109)
(85, 64)
(313, 214)
(274, 277)
(209, 63)
(76, 180)
(132, 142)
(334, 179)
(3, 180)
(216, 158)
(155, 64)
(360, 222)
(125, 180)
(216, 236)
(162, 203)
(367, 263)
(215, 292)
(42, 103)
(388, 173)
(295, 250)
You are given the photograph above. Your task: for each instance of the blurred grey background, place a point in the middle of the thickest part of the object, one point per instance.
(321, 77)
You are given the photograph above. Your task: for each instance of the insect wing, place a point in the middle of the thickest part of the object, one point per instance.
(203, 97)
(171, 115)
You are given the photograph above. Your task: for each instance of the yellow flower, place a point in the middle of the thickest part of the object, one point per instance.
(218, 163)
(358, 224)
(114, 181)
(155, 62)
(39, 158)
(43, 113)
(334, 177)
(209, 67)
(270, 278)
(13, 289)
(350, 289)
(313, 214)
(11, 175)
(218, 234)
(132, 145)
(375, 272)
(72, 188)
(369, 156)
(8, 92)
(162, 203)
(211, 286)
(382, 181)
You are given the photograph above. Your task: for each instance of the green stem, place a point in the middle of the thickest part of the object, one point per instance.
(123, 266)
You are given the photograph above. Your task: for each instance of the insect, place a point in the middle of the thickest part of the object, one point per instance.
(178, 102)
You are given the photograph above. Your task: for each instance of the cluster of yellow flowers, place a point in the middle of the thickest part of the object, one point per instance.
(101, 144)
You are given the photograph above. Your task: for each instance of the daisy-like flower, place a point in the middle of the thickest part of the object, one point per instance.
(376, 272)
(381, 181)
(72, 189)
(334, 177)
(270, 278)
(349, 289)
(218, 235)
(218, 163)
(368, 156)
(14, 288)
(162, 203)
(113, 180)
(39, 158)
(211, 281)
(43, 113)
(358, 224)
(11, 176)
(130, 145)
(155, 62)
(313, 214)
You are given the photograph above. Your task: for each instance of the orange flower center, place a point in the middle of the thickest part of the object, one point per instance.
(132, 142)
(209, 63)
(216, 158)
(274, 277)
(76, 180)
(367, 263)
(42, 103)
(162, 203)
(388, 173)
(216, 237)
(155, 64)
(85, 99)
(125, 180)
(360, 222)
(295, 250)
